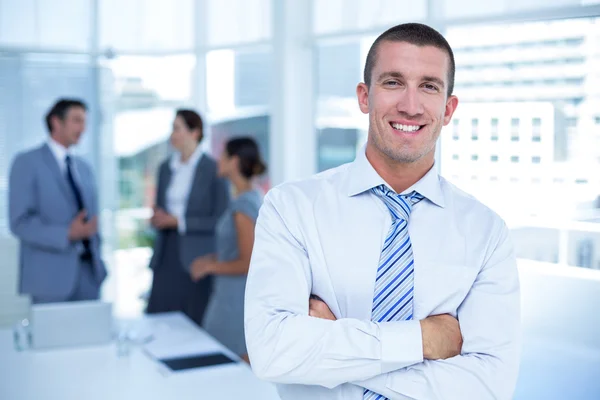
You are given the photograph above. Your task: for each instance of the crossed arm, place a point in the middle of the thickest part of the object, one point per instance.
(290, 342)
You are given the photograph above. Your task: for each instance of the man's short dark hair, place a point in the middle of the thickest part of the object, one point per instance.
(61, 108)
(418, 35)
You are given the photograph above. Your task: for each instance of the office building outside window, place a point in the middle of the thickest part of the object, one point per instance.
(474, 129)
(514, 129)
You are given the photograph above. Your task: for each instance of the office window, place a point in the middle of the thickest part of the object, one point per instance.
(536, 159)
(339, 129)
(597, 120)
(536, 181)
(252, 78)
(455, 156)
(455, 130)
(237, 80)
(141, 25)
(60, 24)
(238, 94)
(342, 16)
(146, 92)
(336, 146)
(474, 129)
(514, 129)
(581, 181)
(514, 159)
(494, 129)
(493, 178)
(536, 129)
(246, 21)
(514, 180)
(474, 157)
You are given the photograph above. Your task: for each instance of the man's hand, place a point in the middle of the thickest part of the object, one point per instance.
(442, 338)
(82, 229)
(318, 309)
(163, 220)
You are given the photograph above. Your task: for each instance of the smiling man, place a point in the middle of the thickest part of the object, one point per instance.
(380, 279)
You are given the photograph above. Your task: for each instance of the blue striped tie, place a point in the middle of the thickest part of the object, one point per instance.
(393, 297)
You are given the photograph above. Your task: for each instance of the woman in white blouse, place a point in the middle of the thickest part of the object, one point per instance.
(190, 198)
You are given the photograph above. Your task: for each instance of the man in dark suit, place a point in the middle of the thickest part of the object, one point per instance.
(53, 210)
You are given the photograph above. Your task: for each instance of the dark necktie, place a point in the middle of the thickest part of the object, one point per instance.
(87, 254)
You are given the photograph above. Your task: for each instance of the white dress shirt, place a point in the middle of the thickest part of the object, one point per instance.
(60, 152)
(182, 178)
(324, 236)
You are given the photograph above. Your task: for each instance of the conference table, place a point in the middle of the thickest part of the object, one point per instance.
(115, 371)
(549, 370)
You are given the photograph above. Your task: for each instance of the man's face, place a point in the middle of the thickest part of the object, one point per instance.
(69, 130)
(407, 102)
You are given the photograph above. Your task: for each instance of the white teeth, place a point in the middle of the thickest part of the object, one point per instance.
(406, 128)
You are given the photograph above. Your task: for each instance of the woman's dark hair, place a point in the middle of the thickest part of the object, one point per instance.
(192, 120)
(246, 149)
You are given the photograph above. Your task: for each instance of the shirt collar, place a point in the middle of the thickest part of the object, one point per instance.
(59, 151)
(362, 177)
(193, 160)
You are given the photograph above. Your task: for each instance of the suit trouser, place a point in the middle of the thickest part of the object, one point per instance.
(86, 287)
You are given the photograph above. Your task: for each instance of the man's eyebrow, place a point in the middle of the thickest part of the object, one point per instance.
(435, 80)
(389, 74)
(395, 74)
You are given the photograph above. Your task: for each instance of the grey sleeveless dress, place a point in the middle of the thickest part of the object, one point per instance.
(224, 317)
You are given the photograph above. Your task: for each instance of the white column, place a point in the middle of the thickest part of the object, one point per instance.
(563, 246)
(105, 159)
(199, 79)
(292, 136)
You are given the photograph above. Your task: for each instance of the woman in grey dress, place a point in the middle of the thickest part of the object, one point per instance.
(240, 162)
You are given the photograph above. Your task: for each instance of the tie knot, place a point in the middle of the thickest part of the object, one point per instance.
(400, 205)
(68, 159)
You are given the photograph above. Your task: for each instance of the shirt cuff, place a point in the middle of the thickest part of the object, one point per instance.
(181, 225)
(401, 344)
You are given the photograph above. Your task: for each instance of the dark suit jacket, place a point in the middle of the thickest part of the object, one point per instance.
(208, 199)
